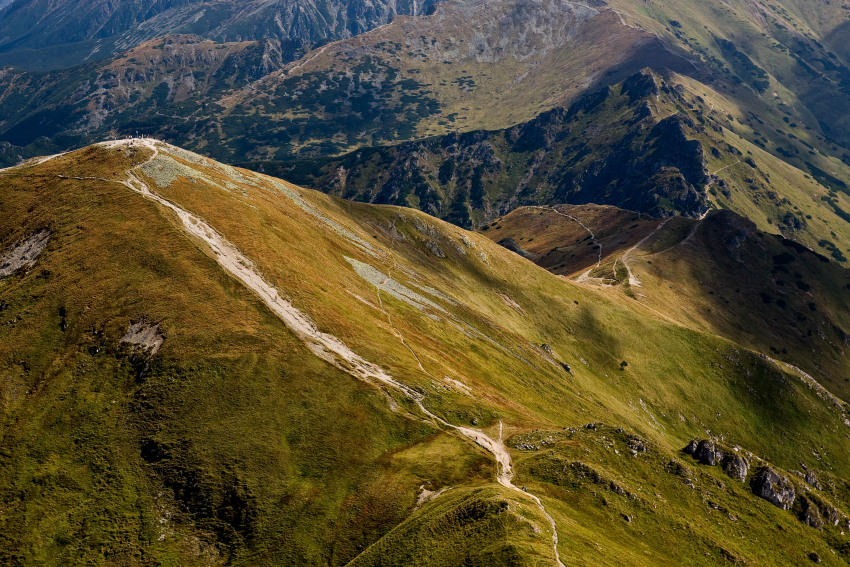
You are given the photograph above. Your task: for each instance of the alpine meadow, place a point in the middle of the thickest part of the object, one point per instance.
(437, 283)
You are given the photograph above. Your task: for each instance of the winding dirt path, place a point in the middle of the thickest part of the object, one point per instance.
(634, 281)
(32, 162)
(504, 471)
(726, 167)
(323, 345)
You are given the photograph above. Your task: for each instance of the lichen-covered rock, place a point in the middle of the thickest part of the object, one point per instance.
(692, 447)
(809, 513)
(708, 453)
(812, 479)
(774, 488)
(736, 466)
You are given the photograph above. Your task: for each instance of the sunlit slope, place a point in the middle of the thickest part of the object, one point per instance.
(790, 55)
(208, 365)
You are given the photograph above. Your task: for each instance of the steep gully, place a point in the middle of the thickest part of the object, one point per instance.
(323, 345)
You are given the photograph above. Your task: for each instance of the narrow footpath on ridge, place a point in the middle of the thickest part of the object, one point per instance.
(326, 346)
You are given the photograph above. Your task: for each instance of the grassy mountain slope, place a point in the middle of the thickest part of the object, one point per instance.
(156, 409)
(718, 274)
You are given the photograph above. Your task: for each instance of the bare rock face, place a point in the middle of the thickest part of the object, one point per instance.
(295, 24)
(24, 253)
(736, 466)
(774, 488)
(145, 336)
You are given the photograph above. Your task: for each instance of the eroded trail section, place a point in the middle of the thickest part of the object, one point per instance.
(324, 345)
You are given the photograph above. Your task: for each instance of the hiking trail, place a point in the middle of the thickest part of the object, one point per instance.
(324, 345)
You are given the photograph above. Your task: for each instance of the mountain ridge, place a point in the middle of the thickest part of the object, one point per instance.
(663, 151)
(375, 90)
(203, 450)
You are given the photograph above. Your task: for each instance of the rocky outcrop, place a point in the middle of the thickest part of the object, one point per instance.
(736, 466)
(24, 253)
(767, 483)
(774, 488)
(814, 507)
(641, 86)
(708, 453)
(809, 513)
(812, 479)
(147, 337)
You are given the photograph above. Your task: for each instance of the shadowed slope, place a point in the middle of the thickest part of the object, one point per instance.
(718, 274)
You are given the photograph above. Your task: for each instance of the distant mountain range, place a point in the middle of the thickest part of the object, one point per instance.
(430, 122)
(49, 34)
